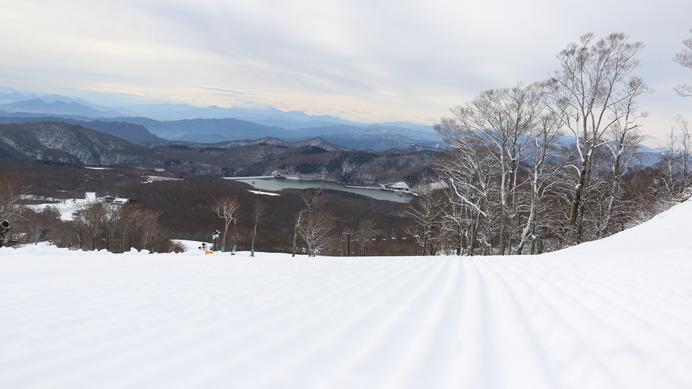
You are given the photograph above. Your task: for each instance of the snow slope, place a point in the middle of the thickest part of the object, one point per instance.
(610, 314)
(67, 207)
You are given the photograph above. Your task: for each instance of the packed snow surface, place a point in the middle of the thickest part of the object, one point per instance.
(610, 314)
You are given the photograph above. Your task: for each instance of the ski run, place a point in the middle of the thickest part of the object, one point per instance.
(615, 313)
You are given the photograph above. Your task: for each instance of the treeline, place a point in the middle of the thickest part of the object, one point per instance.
(320, 225)
(541, 166)
(100, 226)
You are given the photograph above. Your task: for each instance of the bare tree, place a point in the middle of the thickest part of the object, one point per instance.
(542, 178)
(315, 228)
(312, 224)
(225, 208)
(457, 224)
(92, 220)
(427, 211)
(591, 91)
(491, 135)
(11, 191)
(677, 162)
(365, 233)
(140, 225)
(467, 172)
(684, 58)
(623, 142)
(258, 209)
(684, 149)
(296, 227)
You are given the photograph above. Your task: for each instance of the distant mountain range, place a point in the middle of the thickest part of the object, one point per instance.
(159, 124)
(182, 122)
(314, 158)
(39, 106)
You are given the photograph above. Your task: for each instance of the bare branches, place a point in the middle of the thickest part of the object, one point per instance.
(258, 209)
(225, 208)
(491, 137)
(313, 224)
(427, 210)
(315, 228)
(677, 163)
(684, 58)
(365, 234)
(116, 228)
(591, 95)
(504, 144)
(11, 191)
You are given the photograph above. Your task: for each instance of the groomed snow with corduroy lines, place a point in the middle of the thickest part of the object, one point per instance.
(615, 313)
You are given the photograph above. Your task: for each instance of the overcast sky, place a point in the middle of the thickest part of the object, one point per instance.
(364, 60)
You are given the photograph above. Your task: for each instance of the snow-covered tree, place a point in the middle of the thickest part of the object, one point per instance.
(592, 92)
(622, 142)
(490, 137)
(543, 177)
(427, 211)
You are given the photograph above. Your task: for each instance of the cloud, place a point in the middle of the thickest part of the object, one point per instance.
(226, 91)
(379, 60)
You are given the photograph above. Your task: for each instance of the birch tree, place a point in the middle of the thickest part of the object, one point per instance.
(591, 91)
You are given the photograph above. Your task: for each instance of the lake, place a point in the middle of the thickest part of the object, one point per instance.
(276, 184)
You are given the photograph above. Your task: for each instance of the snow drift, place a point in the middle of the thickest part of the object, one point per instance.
(616, 313)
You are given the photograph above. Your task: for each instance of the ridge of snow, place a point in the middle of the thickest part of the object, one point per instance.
(671, 230)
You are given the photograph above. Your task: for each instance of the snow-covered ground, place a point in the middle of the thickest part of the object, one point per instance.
(610, 314)
(263, 193)
(67, 207)
(150, 179)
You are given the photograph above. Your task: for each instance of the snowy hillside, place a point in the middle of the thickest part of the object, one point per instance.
(610, 314)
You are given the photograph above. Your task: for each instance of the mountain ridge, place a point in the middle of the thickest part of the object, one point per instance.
(313, 158)
(177, 121)
(68, 143)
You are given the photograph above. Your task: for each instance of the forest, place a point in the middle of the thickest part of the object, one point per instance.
(542, 166)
